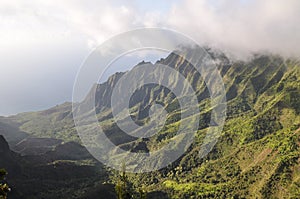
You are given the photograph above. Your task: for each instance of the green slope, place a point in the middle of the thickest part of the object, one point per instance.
(257, 155)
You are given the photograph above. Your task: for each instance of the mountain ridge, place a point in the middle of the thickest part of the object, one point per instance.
(257, 152)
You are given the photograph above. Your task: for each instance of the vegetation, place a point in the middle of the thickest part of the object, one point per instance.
(125, 189)
(257, 155)
(4, 188)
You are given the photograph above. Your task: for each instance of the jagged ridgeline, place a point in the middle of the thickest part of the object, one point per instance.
(146, 96)
(257, 155)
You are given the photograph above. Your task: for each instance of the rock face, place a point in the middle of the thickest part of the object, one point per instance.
(152, 92)
(4, 148)
(8, 159)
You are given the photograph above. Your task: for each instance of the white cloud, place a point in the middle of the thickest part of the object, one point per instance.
(35, 21)
(236, 25)
(241, 26)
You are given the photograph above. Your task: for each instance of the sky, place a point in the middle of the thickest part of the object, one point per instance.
(44, 43)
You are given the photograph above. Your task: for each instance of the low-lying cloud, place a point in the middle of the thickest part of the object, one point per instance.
(241, 26)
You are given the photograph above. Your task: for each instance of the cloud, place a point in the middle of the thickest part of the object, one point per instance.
(32, 21)
(238, 26)
(241, 26)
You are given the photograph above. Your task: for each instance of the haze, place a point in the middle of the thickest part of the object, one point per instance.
(43, 43)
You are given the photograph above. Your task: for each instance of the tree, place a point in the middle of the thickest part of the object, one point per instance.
(4, 188)
(124, 187)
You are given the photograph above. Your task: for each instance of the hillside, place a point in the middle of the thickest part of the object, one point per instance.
(257, 155)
